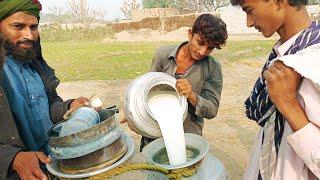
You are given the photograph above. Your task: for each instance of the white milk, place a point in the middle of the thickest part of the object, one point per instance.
(169, 115)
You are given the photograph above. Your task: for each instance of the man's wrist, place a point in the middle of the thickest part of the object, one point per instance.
(294, 114)
(12, 166)
(286, 107)
(193, 99)
(69, 103)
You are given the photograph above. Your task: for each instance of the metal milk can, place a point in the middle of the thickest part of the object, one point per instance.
(139, 91)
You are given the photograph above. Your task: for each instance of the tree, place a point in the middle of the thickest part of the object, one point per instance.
(314, 11)
(77, 11)
(83, 13)
(128, 6)
(213, 5)
(57, 10)
(193, 5)
(159, 3)
(314, 2)
(206, 5)
(58, 14)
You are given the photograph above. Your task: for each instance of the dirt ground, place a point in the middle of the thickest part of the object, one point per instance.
(230, 134)
(149, 35)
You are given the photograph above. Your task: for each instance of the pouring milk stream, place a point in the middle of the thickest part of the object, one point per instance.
(169, 115)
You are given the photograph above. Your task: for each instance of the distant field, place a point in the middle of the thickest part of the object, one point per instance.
(93, 60)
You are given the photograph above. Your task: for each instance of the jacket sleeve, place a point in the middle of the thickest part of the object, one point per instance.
(7, 155)
(9, 137)
(306, 141)
(58, 107)
(209, 99)
(157, 62)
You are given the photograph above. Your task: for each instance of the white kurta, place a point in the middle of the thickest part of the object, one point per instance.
(299, 152)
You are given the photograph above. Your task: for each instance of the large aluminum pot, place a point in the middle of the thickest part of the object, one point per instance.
(86, 141)
(136, 109)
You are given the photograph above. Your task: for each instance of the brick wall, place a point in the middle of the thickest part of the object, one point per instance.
(170, 20)
(138, 15)
(168, 23)
(236, 20)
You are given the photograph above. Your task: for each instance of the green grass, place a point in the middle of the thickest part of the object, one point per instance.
(93, 60)
(51, 33)
(244, 50)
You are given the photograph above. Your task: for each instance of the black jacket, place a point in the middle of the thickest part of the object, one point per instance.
(10, 141)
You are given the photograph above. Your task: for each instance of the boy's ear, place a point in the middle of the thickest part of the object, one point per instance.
(279, 3)
(190, 34)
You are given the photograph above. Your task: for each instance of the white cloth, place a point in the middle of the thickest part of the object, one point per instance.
(299, 152)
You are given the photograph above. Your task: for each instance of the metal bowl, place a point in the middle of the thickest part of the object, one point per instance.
(197, 149)
(54, 167)
(93, 161)
(86, 141)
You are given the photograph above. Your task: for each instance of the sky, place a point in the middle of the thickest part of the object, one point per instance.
(111, 8)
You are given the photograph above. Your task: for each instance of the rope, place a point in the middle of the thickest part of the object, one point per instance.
(171, 174)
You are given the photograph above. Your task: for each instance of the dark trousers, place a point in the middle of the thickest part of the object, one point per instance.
(145, 141)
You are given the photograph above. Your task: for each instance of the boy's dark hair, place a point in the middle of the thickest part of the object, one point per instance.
(211, 29)
(297, 3)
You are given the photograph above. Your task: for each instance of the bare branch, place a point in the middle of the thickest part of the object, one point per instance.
(83, 13)
(128, 6)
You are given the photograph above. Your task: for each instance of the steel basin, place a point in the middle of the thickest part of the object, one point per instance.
(86, 141)
(93, 161)
(198, 146)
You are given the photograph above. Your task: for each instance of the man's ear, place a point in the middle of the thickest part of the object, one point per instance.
(190, 34)
(279, 3)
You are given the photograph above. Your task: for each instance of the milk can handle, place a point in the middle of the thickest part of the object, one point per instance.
(178, 76)
(114, 108)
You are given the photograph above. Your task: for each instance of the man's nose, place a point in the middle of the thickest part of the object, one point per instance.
(249, 21)
(203, 51)
(27, 34)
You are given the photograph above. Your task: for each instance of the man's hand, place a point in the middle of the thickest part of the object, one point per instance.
(185, 89)
(27, 165)
(282, 83)
(81, 101)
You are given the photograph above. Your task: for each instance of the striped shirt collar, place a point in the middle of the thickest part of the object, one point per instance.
(281, 49)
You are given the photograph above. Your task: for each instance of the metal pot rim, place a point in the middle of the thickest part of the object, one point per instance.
(85, 134)
(106, 132)
(160, 81)
(158, 144)
(135, 105)
(54, 169)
